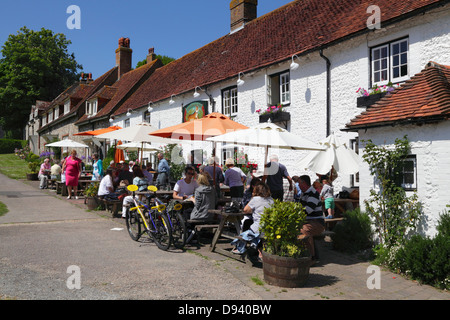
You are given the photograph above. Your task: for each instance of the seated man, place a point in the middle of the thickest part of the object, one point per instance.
(315, 225)
(185, 188)
(125, 174)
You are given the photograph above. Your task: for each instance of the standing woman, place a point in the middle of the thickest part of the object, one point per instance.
(97, 172)
(72, 168)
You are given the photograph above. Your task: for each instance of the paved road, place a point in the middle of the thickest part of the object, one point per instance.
(44, 234)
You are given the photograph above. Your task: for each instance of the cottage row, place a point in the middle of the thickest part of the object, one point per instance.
(309, 56)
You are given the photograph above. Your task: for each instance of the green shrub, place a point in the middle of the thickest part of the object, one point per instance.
(424, 259)
(354, 233)
(9, 145)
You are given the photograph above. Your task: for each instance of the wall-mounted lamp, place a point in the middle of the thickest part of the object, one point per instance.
(129, 112)
(111, 119)
(150, 109)
(240, 82)
(294, 65)
(171, 100)
(196, 94)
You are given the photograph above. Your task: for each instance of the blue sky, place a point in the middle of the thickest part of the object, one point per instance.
(173, 27)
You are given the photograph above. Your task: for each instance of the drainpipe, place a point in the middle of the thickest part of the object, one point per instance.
(328, 92)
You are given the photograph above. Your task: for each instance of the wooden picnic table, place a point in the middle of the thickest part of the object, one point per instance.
(341, 205)
(227, 218)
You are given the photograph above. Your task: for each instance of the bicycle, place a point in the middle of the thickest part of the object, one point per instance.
(153, 218)
(178, 224)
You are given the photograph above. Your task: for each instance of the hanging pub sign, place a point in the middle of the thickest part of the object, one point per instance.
(195, 110)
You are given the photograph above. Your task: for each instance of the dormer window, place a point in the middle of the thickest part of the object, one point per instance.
(67, 107)
(91, 107)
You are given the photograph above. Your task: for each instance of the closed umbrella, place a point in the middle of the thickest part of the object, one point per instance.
(337, 155)
(118, 155)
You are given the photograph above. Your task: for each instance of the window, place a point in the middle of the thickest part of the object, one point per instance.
(390, 62)
(228, 151)
(409, 177)
(354, 178)
(278, 89)
(67, 107)
(50, 116)
(229, 101)
(126, 123)
(91, 107)
(146, 117)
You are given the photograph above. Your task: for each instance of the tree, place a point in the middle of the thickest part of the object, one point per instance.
(36, 65)
(164, 59)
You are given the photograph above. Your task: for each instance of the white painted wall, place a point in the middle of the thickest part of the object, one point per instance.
(431, 145)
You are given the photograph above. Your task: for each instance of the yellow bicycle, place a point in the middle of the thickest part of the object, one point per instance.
(153, 218)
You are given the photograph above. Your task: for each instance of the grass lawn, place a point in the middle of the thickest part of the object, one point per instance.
(13, 167)
(3, 209)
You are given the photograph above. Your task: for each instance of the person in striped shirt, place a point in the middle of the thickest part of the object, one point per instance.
(315, 225)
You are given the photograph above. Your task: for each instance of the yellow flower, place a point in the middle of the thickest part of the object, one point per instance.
(278, 236)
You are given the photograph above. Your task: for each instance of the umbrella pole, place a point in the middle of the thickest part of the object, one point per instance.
(265, 161)
(214, 168)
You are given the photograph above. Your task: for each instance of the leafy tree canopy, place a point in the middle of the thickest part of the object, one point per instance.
(35, 65)
(164, 59)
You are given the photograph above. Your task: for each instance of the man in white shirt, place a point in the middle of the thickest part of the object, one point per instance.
(185, 188)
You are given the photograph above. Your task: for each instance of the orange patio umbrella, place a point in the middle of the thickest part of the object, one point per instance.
(213, 124)
(98, 131)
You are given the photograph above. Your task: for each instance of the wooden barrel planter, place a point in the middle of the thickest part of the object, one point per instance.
(32, 176)
(285, 271)
(91, 203)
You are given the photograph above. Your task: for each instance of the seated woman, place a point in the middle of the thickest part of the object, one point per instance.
(204, 199)
(248, 194)
(261, 199)
(106, 186)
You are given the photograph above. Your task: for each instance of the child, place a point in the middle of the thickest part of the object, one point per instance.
(327, 195)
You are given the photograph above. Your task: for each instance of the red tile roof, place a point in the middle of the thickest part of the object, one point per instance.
(298, 27)
(80, 92)
(423, 98)
(122, 89)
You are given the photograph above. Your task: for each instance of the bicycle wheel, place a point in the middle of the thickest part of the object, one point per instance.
(134, 225)
(178, 230)
(162, 235)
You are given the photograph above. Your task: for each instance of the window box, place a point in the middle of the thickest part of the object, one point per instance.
(275, 117)
(366, 101)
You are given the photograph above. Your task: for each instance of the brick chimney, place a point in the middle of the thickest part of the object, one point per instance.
(151, 55)
(242, 12)
(123, 56)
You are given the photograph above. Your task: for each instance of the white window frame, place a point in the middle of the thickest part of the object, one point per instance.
(283, 86)
(50, 116)
(67, 106)
(410, 186)
(387, 62)
(230, 101)
(56, 113)
(126, 123)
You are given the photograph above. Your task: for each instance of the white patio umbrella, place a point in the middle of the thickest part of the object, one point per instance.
(267, 135)
(136, 146)
(337, 155)
(67, 144)
(139, 133)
